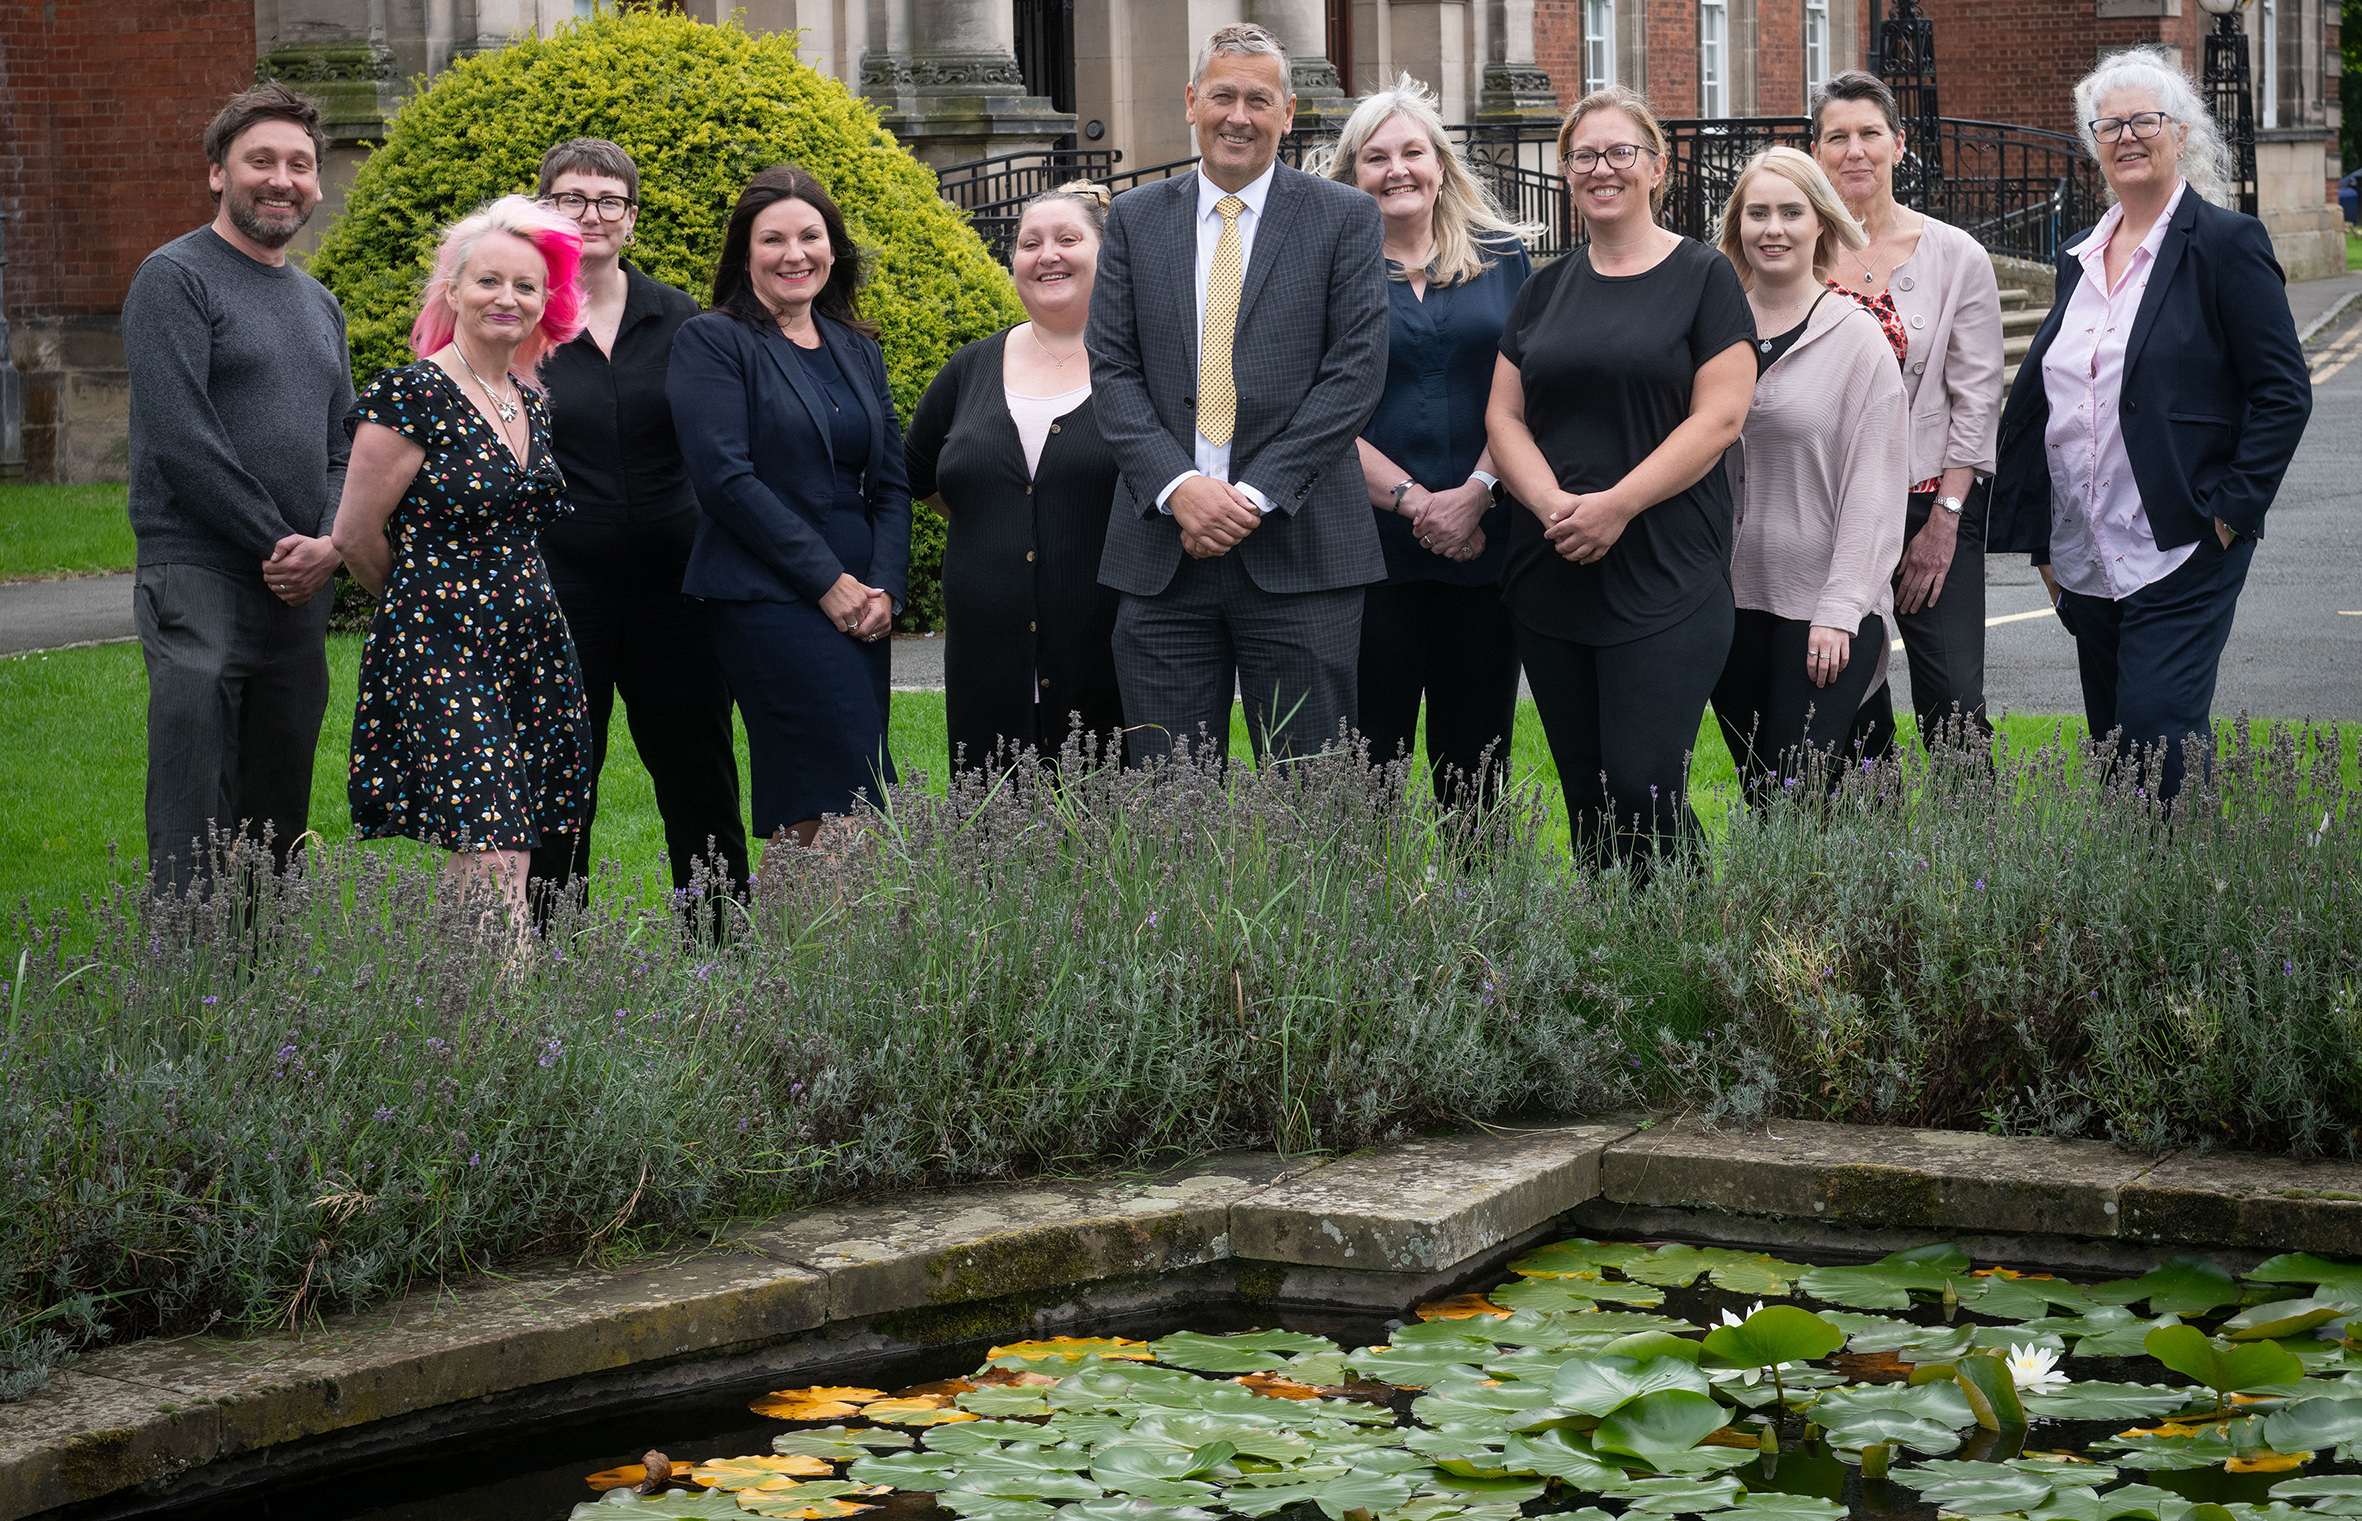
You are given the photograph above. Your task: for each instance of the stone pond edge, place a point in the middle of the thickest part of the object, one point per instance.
(1374, 1230)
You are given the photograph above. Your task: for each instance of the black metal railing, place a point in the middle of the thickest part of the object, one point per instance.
(2017, 190)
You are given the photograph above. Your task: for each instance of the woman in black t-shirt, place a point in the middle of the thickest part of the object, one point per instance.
(1625, 372)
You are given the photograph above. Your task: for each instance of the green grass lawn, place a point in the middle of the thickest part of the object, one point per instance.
(63, 531)
(2353, 249)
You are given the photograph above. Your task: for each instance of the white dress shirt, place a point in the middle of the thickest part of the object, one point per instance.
(2100, 541)
(1212, 458)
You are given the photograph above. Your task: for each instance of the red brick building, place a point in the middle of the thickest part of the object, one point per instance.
(101, 108)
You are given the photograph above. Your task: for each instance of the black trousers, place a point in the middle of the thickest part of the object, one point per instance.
(2149, 661)
(1768, 706)
(637, 637)
(1456, 646)
(1181, 654)
(1622, 720)
(1944, 642)
(237, 685)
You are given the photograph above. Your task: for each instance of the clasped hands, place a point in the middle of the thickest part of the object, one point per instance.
(1446, 522)
(298, 567)
(1582, 528)
(861, 611)
(1214, 516)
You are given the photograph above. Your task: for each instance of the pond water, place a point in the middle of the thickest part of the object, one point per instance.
(1591, 1380)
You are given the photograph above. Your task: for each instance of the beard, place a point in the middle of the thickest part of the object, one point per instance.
(268, 232)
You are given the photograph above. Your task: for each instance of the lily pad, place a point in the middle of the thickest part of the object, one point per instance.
(977, 1507)
(1677, 1267)
(1575, 1258)
(1124, 1467)
(1119, 1508)
(1604, 1385)
(672, 1505)
(1887, 1283)
(1253, 1352)
(1976, 1488)
(2103, 1402)
(2282, 1317)
(2182, 1286)
(914, 1471)
(1070, 1348)
(1647, 1344)
(750, 1473)
(2341, 1281)
(838, 1444)
(1774, 1506)
(1355, 1489)
(1992, 1391)
(1675, 1497)
(2019, 1297)
(2314, 1424)
(1004, 1400)
(2186, 1350)
(1558, 1455)
(1781, 1333)
(1667, 1421)
(796, 1506)
(2160, 1453)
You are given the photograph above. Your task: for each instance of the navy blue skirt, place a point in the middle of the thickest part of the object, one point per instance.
(815, 701)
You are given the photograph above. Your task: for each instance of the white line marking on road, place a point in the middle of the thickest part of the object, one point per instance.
(2040, 612)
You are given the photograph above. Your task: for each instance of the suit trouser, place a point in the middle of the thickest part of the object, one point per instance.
(1622, 720)
(1770, 710)
(2149, 661)
(1180, 654)
(639, 638)
(1944, 642)
(237, 685)
(1456, 646)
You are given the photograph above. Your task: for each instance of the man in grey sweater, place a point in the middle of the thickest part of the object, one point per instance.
(240, 383)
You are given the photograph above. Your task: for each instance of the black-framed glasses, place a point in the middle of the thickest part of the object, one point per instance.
(1618, 156)
(2140, 124)
(611, 207)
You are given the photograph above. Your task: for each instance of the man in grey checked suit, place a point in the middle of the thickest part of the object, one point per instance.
(1238, 346)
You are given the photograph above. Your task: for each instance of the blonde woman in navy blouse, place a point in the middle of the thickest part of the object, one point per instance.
(1435, 627)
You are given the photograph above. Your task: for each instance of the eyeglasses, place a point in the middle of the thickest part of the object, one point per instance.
(2140, 124)
(611, 207)
(1618, 155)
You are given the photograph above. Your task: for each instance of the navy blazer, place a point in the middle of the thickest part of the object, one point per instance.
(754, 430)
(2216, 392)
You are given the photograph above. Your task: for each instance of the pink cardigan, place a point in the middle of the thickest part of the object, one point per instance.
(1951, 310)
(1816, 475)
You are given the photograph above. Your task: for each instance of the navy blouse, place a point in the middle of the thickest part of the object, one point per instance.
(848, 425)
(1439, 377)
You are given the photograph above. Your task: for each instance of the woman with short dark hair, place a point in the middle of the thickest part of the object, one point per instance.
(617, 560)
(802, 560)
(2152, 420)
(1931, 287)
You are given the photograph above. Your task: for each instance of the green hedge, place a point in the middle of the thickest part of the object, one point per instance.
(700, 108)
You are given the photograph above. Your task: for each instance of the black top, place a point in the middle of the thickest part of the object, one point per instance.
(1439, 378)
(1608, 365)
(848, 426)
(612, 429)
(1022, 601)
(1769, 351)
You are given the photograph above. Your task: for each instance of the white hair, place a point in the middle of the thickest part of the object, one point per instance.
(1244, 40)
(2205, 157)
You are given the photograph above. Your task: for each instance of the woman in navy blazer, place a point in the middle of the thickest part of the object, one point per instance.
(2154, 416)
(779, 396)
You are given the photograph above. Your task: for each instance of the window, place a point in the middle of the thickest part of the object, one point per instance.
(1816, 45)
(1599, 44)
(1713, 57)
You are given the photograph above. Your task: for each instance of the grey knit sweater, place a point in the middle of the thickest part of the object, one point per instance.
(240, 382)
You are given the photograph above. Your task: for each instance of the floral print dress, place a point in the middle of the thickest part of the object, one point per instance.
(471, 732)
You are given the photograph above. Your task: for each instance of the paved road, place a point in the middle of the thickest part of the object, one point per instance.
(45, 615)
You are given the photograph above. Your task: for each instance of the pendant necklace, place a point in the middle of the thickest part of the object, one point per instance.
(1035, 334)
(506, 409)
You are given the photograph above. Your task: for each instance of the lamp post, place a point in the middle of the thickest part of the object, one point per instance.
(2229, 94)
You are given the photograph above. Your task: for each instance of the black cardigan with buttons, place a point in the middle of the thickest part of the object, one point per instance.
(1024, 611)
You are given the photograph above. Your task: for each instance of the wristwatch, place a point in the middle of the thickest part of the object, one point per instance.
(1492, 483)
(1950, 504)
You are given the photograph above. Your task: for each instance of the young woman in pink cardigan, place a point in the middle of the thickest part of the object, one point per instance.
(1815, 475)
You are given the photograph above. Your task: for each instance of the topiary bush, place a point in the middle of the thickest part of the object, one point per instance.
(700, 108)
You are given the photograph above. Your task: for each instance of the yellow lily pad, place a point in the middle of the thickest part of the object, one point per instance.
(2267, 1462)
(1076, 1347)
(1461, 1307)
(747, 1473)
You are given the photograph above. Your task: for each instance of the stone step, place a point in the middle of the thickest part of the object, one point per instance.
(2013, 297)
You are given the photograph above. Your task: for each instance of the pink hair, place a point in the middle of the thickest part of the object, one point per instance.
(559, 242)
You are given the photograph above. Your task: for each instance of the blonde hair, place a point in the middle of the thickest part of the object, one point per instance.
(1090, 195)
(1839, 230)
(2206, 160)
(1464, 210)
(1633, 104)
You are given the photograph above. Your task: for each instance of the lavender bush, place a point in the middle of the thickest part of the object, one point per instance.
(264, 1105)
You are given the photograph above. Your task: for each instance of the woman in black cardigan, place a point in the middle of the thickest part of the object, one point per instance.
(1006, 445)
(802, 560)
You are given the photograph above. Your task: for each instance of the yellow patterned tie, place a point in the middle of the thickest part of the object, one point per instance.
(1217, 391)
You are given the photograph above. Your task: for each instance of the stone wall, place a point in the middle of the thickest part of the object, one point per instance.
(102, 106)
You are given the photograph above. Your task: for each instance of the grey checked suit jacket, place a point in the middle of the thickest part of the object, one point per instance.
(1309, 360)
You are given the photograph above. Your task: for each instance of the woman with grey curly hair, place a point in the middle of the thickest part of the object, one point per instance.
(2154, 416)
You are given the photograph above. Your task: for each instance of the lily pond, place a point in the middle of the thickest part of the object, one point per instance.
(1652, 1380)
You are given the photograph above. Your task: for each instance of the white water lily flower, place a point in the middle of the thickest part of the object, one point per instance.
(2033, 1368)
(1730, 1319)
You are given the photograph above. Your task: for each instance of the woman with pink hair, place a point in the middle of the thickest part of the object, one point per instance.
(471, 732)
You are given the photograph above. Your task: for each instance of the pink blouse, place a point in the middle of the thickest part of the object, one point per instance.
(2100, 541)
